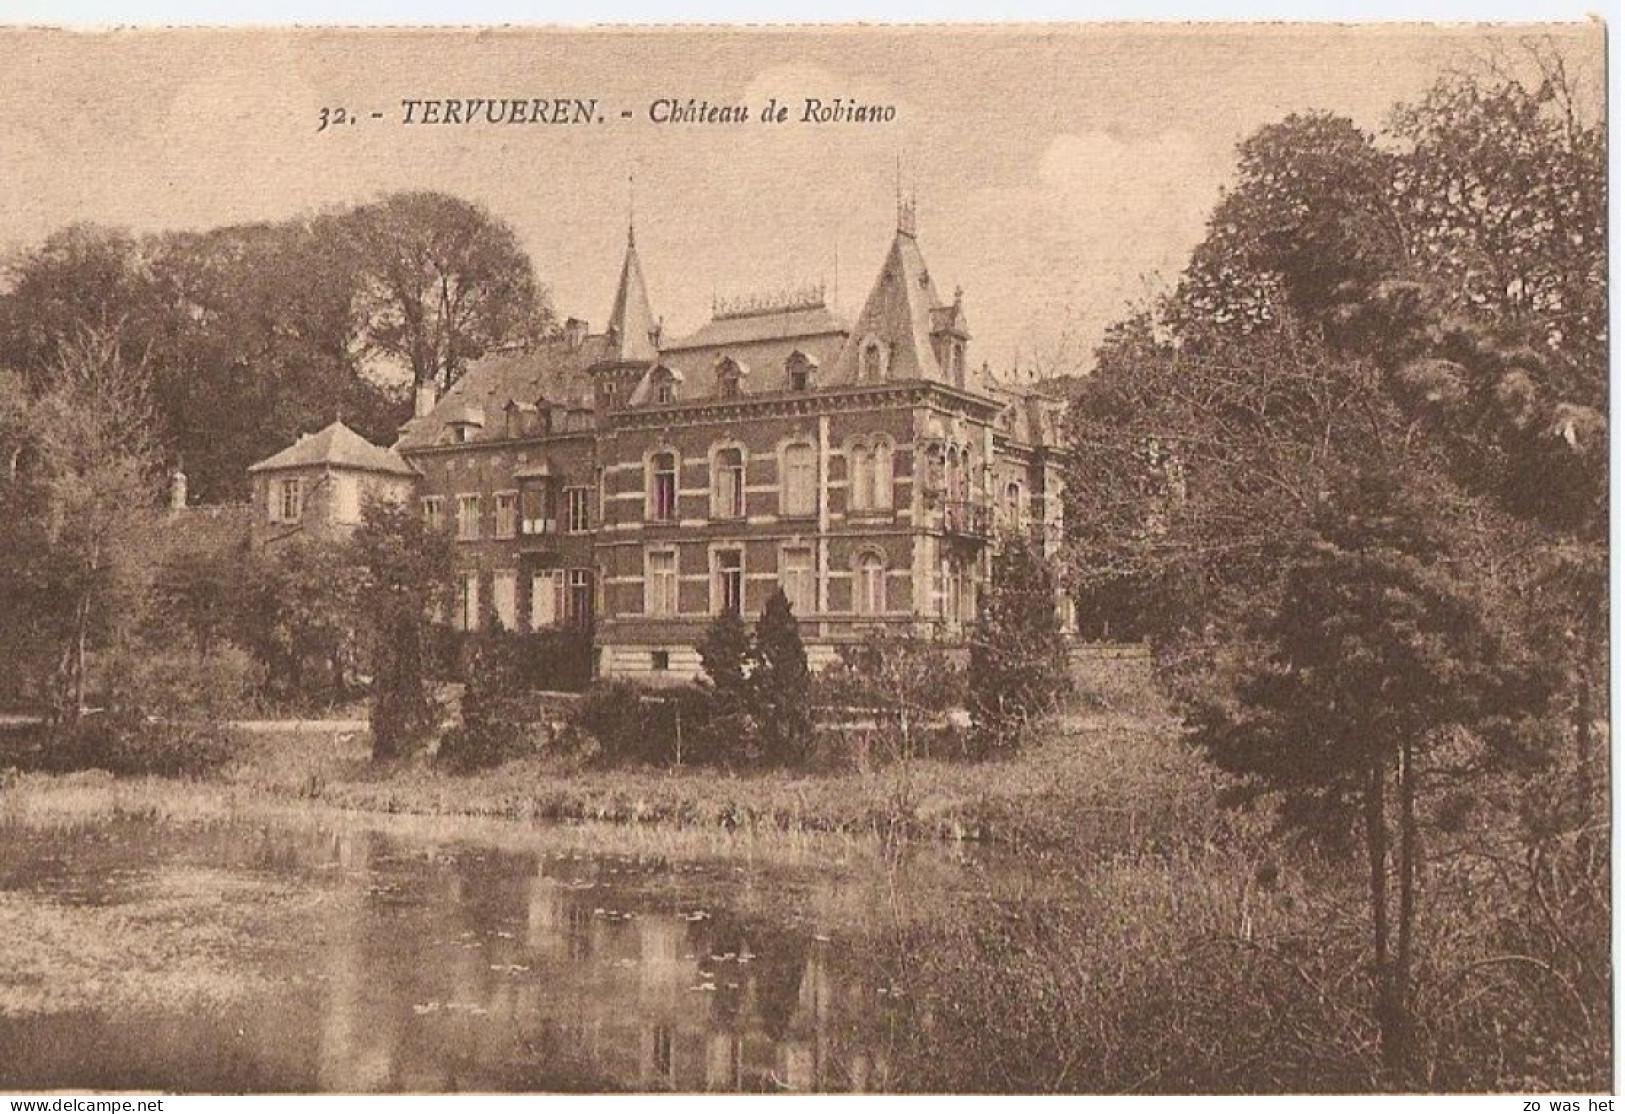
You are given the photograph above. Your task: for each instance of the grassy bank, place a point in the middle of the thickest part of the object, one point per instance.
(1105, 777)
(1072, 789)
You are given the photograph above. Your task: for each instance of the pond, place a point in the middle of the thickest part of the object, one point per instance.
(311, 954)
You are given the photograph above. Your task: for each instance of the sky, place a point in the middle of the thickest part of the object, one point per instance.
(1061, 174)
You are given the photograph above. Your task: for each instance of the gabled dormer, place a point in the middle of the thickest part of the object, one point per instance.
(659, 386)
(800, 371)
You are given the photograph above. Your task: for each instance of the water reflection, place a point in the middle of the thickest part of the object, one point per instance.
(418, 967)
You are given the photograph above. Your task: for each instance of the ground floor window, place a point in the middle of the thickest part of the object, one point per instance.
(465, 611)
(579, 598)
(728, 581)
(545, 589)
(505, 599)
(796, 578)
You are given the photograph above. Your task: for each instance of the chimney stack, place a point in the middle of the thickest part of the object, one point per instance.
(177, 490)
(423, 400)
(575, 332)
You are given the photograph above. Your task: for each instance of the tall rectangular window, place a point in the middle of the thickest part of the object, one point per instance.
(579, 598)
(504, 598)
(468, 517)
(663, 487)
(800, 481)
(728, 490)
(796, 578)
(465, 613)
(662, 582)
(728, 581)
(434, 513)
(545, 590)
(289, 504)
(578, 514)
(507, 513)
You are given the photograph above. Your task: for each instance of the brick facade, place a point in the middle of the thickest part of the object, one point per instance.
(633, 485)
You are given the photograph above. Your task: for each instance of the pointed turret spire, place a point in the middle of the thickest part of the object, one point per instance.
(631, 325)
(892, 336)
(631, 211)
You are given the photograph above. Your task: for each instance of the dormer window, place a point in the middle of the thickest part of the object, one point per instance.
(872, 363)
(660, 386)
(800, 370)
(730, 376)
(520, 419)
(465, 421)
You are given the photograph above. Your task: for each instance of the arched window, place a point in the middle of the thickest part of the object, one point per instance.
(1016, 505)
(869, 591)
(728, 484)
(663, 487)
(799, 493)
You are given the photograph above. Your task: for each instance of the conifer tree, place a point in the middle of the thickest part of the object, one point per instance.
(781, 684)
(1017, 657)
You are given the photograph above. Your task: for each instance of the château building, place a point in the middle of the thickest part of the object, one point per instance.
(630, 486)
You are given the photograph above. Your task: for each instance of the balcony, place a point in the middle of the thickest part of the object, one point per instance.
(966, 519)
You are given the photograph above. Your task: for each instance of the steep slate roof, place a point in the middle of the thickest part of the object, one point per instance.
(898, 312)
(554, 372)
(750, 328)
(337, 446)
(631, 325)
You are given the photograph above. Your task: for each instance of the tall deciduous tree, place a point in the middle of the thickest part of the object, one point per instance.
(447, 282)
(260, 342)
(81, 478)
(83, 279)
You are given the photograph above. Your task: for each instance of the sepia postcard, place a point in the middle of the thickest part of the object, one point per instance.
(932, 559)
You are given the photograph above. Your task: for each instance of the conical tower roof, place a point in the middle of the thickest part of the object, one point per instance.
(631, 322)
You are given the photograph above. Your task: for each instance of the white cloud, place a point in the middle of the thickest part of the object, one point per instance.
(1099, 222)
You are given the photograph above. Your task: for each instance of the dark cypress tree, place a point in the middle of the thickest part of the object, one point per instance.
(725, 655)
(781, 684)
